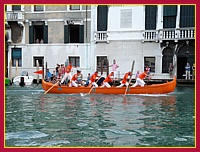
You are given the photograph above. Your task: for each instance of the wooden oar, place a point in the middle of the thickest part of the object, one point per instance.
(51, 87)
(82, 94)
(131, 77)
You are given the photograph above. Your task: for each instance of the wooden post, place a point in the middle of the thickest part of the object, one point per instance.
(10, 70)
(46, 71)
(43, 69)
(107, 65)
(37, 63)
(16, 70)
(102, 62)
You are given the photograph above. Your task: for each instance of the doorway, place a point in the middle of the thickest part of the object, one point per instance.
(181, 62)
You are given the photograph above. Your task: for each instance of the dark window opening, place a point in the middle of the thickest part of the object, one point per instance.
(149, 61)
(40, 61)
(150, 17)
(187, 16)
(102, 63)
(16, 7)
(102, 17)
(74, 33)
(169, 16)
(38, 33)
(38, 8)
(75, 61)
(166, 60)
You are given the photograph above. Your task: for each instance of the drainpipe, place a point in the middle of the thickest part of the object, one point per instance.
(86, 41)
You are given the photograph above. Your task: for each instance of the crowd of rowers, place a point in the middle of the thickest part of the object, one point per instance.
(64, 77)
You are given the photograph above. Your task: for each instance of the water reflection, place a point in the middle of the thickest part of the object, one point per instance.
(99, 120)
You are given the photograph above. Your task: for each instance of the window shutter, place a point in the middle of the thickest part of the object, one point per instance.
(187, 16)
(31, 40)
(150, 17)
(16, 53)
(66, 33)
(169, 16)
(102, 17)
(81, 34)
(45, 36)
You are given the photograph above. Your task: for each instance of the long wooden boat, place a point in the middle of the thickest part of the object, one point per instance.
(147, 89)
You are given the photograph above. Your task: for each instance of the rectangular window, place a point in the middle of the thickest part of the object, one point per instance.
(74, 34)
(102, 18)
(74, 60)
(74, 7)
(16, 56)
(150, 17)
(169, 16)
(102, 63)
(40, 61)
(187, 16)
(149, 61)
(38, 8)
(38, 33)
(16, 7)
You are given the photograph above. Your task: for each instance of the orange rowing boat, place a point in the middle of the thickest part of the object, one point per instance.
(147, 89)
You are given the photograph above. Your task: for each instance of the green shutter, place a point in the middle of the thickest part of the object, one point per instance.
(150, 17)
(169, 16)
(45, 36)
(187, 16)
(31, 40)
(16, 53)
(81, 34)
(66, 33)
(102, 17)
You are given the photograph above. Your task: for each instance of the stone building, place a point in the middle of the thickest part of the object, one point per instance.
(86, 35)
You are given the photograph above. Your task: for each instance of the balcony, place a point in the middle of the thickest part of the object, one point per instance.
(169, 34)
(101, 36)
(14, 16)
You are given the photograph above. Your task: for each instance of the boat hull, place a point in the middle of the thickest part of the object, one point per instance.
(148, 89)
(28, 80)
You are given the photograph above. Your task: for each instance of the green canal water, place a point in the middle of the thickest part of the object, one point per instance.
(33, 119)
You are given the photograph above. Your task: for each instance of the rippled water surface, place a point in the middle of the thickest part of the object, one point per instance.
(35, 119)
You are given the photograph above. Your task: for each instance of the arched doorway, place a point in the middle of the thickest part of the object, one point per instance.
(185, 54)
(167, 59)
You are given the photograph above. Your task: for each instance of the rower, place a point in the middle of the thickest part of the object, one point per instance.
(108, 79)
(74, 79)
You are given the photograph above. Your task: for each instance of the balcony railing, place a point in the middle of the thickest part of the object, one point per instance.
(101, 36)
(169, 34)
(14, 16)
(151, 35)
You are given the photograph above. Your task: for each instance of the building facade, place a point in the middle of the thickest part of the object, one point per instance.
(153, 35)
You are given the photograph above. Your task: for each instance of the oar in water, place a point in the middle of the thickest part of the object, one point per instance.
(84, 94)
(51, 87)
(130, 78)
